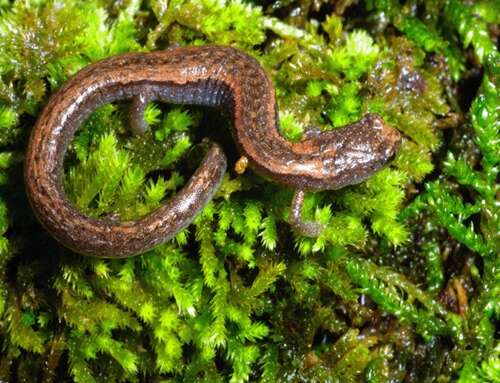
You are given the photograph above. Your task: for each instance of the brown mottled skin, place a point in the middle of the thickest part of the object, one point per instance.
(213, 76)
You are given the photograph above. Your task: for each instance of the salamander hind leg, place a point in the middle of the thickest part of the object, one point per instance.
(137, 123)
(306, 228)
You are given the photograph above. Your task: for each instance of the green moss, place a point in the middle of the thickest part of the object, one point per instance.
(471, 29)
(401, 286)
(356, 57)
(290, 127)
(222, 22)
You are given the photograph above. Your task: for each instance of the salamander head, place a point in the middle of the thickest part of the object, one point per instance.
(385, 140)
(362, 148)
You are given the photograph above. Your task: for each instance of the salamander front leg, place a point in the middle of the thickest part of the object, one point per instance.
(306, 228)
(139, 103)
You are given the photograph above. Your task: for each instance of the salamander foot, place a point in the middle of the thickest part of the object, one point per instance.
(137, 123)
(307, 228)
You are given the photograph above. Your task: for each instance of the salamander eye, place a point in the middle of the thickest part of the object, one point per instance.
(391, 157)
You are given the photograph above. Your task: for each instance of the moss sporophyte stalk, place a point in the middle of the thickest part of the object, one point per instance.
(402, 285)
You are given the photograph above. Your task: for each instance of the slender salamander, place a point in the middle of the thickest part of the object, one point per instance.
(215, 76)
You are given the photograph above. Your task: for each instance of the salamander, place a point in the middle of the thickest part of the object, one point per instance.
(216, 76)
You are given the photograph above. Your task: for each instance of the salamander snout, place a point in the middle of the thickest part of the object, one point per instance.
(386, 140)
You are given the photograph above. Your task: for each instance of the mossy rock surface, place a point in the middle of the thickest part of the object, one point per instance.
(402, 286)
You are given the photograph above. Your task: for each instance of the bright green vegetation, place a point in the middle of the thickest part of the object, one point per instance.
(402, 286)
